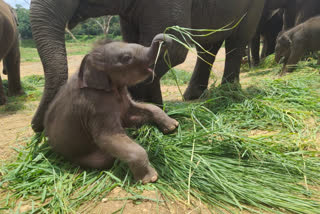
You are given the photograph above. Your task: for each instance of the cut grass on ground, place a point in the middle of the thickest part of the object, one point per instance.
(213, 157)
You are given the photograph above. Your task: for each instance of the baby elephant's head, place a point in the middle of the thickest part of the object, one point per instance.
(283, 47)
(116, 64)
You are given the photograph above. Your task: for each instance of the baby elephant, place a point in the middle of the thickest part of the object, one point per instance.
(87, 119)
(293, 44)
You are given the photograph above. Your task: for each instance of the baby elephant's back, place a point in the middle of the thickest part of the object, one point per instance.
(64, 125)
(312, 26)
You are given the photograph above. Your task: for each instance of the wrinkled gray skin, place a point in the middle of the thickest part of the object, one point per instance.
(85, 122)
(293, 44)
(289, 8)
(306, 9)
(271, 24)
(140, 22)
(9, 51)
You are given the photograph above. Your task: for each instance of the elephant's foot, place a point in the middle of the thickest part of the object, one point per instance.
(149, 175)
(193, 93)
(168, 125)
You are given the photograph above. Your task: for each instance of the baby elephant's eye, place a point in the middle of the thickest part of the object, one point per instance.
(125, 58)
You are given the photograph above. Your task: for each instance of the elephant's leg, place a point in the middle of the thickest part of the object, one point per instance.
(264, 47)
(249, 54)
(3, 99)
(122, 147)
(147, 91)
(200, 77)
(96, 159)
(269, 44)
(5, 70)
(12, 64)
(318, 62)
(272, 41)
(255, 49)
(129, 31)
(150, 90)
(233, 61)
(48, 22)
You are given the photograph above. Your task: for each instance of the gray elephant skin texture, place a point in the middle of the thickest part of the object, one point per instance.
(140, 22)
(9, 51)
(271, 24)
(86, 120)
(294, 43)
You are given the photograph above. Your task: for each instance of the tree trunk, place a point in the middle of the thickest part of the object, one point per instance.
(71, 34)
(107, 25)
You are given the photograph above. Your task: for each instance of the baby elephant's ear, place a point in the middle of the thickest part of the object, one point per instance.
(82, 83)
(89, 77)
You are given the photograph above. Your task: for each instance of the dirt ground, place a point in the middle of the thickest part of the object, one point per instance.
(15, 129)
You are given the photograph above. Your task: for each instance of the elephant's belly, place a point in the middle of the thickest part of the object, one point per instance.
(6, 39)
(217, 15)
(68, 138)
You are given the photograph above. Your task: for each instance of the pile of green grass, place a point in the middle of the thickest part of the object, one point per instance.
(253, 148)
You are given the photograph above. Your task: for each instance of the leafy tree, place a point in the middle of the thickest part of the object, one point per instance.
(97, 26)
(91, 27)
(24, 22)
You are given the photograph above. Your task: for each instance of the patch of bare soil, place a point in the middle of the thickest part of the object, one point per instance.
(15, 129)
(116, 201)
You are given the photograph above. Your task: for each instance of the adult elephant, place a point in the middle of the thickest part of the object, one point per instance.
(306, 9)
(140, 22)
(9, 51)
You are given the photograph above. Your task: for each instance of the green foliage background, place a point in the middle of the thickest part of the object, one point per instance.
(82, 31)
(24, 22)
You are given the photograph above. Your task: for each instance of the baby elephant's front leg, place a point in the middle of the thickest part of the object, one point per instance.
(141, 113)
(122, 147)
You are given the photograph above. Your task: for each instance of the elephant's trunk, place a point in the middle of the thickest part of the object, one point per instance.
(152, 51)
(48, 21)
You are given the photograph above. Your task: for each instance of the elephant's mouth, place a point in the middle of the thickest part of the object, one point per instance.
(149, 74)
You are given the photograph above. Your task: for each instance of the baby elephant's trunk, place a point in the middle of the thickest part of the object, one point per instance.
(153, 50)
